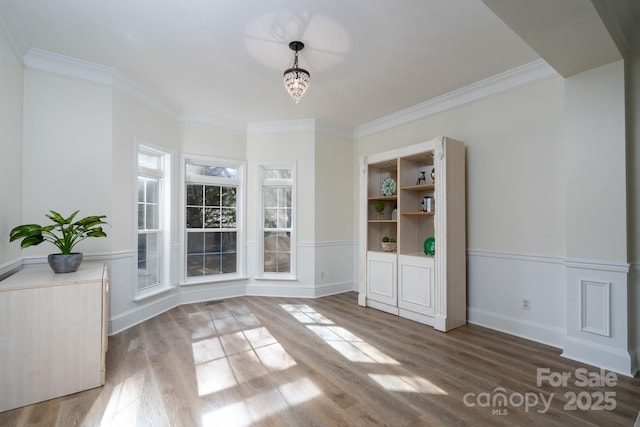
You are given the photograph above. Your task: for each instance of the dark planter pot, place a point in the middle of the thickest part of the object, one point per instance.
(65, 263)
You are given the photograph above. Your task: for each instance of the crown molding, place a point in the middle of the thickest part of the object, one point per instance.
(299, 126)
(49, 62)
(282, 126)
(521, 76)
(213, 123)
(54, 63)
(125, 85)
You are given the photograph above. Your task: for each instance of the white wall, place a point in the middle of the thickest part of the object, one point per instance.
(596, 166)
(67, 163)
(134, 121)
(11, 87)
(633, 182)
(336, 250)
(515, 203)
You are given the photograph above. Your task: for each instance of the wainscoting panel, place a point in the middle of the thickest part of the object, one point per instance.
(499, 282)
(598, 314)
(595, 307)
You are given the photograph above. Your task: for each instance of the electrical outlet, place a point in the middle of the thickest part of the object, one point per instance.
(526, 304)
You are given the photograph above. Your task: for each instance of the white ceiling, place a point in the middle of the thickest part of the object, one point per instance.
(224, 59)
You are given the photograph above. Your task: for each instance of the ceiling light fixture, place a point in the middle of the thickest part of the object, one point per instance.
(296, 79)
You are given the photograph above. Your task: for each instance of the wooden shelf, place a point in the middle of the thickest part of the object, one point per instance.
(383, 198)
(421, 187)
(384, 220)
(419, 213)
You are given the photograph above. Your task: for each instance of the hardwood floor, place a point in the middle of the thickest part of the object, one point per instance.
(329, 362)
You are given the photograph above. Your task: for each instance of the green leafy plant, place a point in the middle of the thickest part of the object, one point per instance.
(378, 206)
(388, 239)
(63, 233)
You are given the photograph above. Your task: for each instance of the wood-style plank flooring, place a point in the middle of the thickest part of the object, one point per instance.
(328, 362)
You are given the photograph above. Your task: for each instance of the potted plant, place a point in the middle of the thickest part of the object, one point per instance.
(379, 207)
(389, 244)
(64, 234)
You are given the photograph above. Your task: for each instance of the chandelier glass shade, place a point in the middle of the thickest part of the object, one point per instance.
(296, 79)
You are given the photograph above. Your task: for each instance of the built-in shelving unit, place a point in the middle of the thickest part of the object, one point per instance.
(406, 281)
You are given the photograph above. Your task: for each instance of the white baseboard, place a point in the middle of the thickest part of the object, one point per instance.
(533, 331)
(126, 320)
(611, 358)
(10, 267)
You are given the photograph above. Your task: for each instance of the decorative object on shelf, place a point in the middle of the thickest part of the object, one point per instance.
(430, 246)
(433, 175)
(427, 204)
(422, 179)
(394, 213)
(64, 234)
(389, 244)
(379, 207)
(296, 79)
(388, 186)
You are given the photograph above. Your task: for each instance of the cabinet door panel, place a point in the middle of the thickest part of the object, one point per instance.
(416, 279)
(382, 277)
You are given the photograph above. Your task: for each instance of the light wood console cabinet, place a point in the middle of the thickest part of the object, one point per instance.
(427, 288)
(53, 333)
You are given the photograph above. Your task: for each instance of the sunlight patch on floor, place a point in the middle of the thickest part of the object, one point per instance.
(228, 360)
(263, 405)
(340, 339)
(405, 383)
(124, 403)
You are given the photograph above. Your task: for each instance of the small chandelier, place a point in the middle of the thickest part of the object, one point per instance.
(296, 80)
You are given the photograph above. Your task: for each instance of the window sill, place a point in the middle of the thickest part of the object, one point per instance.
(152, 292)
(212, 280)
(288, 278)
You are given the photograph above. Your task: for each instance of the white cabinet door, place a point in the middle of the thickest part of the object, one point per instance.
(416, 279)
(382, 277)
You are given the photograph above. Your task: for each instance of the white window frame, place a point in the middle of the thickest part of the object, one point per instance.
(164, 204)
(240, 182)
(260, 229)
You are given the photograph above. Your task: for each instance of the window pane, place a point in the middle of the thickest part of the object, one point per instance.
(195, 169)
(212, 242)
(141, 189)
(220, 171)
(153, 222)
(153, 191)
(141, 216)
(151, 161)
(212, 195)
(277, 255)
(148, 260)
(195, 243)
(228, 242)
(284, 218)
(212, 264)
(194, 217)
(277, 174)
(195, 265)
(211, 253)
(284, 197)
(228, 218)
(229, 196)
(270, 218)
(270, 197)
(228, 263)
(212, 218)
(194, 194)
